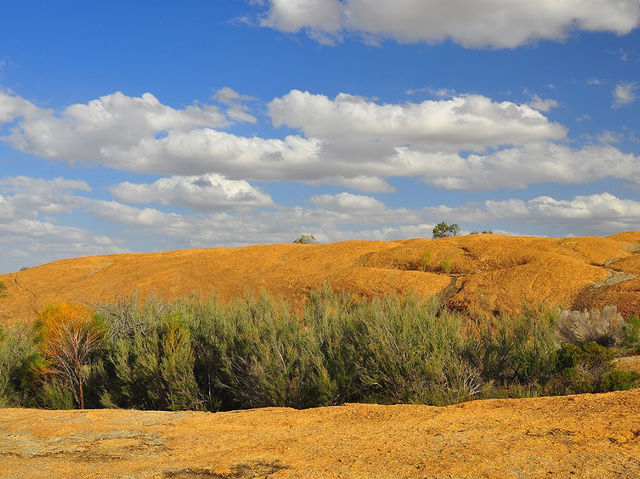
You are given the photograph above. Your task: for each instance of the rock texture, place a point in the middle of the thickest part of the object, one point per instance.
(587, 436)
(483, 273)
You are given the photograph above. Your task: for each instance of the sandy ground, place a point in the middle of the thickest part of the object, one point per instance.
(596, 436)
(484, 273)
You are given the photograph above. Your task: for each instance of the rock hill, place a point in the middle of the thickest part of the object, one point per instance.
(483, 272)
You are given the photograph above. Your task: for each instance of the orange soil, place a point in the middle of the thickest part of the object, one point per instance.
(477, 272)
(587, 436)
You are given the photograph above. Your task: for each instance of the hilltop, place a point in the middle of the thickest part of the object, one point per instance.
(483, 272)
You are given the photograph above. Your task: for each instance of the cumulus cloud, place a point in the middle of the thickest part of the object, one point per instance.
(13, 106)
(462, 142)
(472, 122)
(533, 163)
(544, 105)
(624, 94)
(321, 18)
(347, 202)
(203, 193)
(30, 197)
(89, 132)
(369, 184)
(471, 23)
(346, 216)
(29, 234)
(237, 108)
(29, 239)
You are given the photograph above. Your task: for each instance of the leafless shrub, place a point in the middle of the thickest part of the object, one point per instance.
(604, 327)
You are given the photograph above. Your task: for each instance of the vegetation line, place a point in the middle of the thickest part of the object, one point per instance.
(207, 355)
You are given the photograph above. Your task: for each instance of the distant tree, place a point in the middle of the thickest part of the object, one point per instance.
(69, 334)
(305, 239)
(444, 230)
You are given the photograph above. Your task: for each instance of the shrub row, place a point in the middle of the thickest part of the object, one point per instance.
(258, 352)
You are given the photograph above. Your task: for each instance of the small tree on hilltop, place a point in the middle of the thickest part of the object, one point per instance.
(69, 334)
(305, 239)
(443, 230)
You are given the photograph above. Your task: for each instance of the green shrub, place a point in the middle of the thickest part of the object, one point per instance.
(581, 368)
(617, 380)
(154, 370)
(447, 264)
(631, 333)
(194, 354)
(55, 395)
(271, 360)
(425, 260)
(519, 350)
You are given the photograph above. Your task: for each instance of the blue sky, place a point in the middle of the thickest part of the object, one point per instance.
(148, 126)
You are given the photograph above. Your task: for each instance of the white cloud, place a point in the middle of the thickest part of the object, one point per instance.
(347, 202)
(345, 216)
(203, 193)
(28, 238)
(369, 184)
(609, 137)
(236, 104)
(332, 218)
(518, 167)
(13, 106)
(471, 122)
(129, 215)
(624, 94)
(599, 207)
(544, 105)
(88, 132)
(320, 17)
(31, 196)
(463, 142)
(471, 23)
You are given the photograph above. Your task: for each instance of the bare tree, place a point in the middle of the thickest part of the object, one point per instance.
(70, 335)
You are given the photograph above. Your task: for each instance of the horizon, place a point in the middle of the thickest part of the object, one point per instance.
(140, 128)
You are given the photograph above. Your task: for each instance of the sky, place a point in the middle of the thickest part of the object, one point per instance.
(151, 126)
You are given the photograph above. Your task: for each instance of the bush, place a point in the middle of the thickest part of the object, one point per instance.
(305, 239)
(581, 368)
(521, 349)
(444, 230)
(618, 380)
(603, 327)
(631, 334)
(194, 354)
(153, 369)
(69, 335)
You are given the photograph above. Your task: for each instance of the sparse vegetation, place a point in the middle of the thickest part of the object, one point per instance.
(444, 230)
(447, 264)
(604, 327)
(257, 352)
(425, 260)
(305, 239)
(68, 334)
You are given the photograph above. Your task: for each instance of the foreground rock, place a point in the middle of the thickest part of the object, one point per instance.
(484, 273)
(594, 436)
